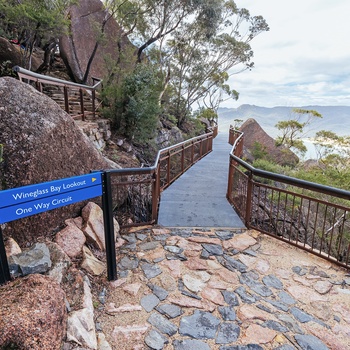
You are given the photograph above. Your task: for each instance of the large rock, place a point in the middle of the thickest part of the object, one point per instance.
(92, 264)
(32, 314)
(12, 52)
(93, 227)
(77, 46)
(167, 137)
(80, 323)
(12, 247)
(253, 132)
(71, 239)
(33, 260)
(41, 143)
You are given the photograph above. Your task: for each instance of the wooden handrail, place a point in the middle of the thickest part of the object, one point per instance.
(40, 79)
(27, 74)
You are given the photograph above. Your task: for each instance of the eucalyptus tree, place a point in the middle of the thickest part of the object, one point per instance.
(149, 21)
(195, 45)
(293, 130)
(205, 53)
(31, 23)
(333, 151)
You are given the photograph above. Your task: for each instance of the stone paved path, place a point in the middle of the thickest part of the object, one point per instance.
(221, 289)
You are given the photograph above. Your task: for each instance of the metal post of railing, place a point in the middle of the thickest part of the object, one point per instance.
(230, 181)
(39, 86)
(107, 204)
(204, 146)
(4, 267)
(249, 200)
(66, 101)
(168, 169)
(182, 158)
(155, 193)
(81, 96)
(192, 151)
(240, 147)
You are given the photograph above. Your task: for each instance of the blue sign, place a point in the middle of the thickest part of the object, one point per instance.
(25, 201)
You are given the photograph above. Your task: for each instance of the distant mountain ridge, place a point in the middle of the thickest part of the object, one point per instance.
(334, 118)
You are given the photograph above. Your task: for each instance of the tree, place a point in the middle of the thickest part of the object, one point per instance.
(332, 150)
(208, 114)
(111, 10)
(32, 23)
(150, 21)
(293, 130)
(202, 61)
(133, 103)
(195, 44)
(259, 151)
(237, 123)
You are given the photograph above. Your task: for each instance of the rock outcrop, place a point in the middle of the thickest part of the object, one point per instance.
(253, 133)
(23, 315)
(167, 137)
(37, 303)
(12, 52)
(40, 143)
(77, 47)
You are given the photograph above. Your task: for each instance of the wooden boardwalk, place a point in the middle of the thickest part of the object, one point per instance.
(198, 197)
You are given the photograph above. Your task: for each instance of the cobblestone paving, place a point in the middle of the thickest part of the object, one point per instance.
(221, 289)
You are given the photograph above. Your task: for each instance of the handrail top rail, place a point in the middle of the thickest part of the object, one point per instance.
(159, 153)
(284, 178)
(47, 79)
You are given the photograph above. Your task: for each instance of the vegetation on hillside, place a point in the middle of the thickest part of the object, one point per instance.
(32, 24)
(182, 56)
(293, 130)
(191, 48)
(332, 164)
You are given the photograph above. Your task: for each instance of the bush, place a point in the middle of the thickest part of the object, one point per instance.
(6, 69)
(133, 103)
(259, 151)
(264, 164)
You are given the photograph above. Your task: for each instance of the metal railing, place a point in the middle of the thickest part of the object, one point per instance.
(135, 192)
(40, 79)
(305, 214)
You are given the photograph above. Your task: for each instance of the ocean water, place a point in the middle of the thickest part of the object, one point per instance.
(311, 150)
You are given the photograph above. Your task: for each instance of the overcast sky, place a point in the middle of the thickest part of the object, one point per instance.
(303, 60)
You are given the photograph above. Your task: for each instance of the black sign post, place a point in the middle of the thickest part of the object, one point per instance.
(107, 205)
(4, 267)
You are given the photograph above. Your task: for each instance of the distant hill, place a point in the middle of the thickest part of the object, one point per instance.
(334, 118)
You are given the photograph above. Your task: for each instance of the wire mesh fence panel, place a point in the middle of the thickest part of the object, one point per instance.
(315, 224)
(132, 198)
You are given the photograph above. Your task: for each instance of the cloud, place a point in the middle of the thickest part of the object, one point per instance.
(302, 60)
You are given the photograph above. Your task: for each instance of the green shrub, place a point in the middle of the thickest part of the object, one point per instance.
(133, 103)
